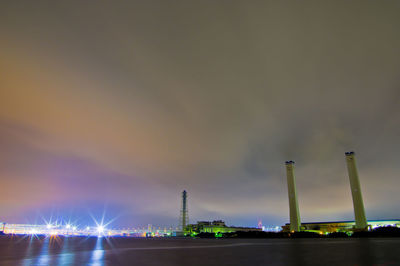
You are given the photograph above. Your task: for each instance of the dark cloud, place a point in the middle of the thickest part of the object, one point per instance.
(148, 98)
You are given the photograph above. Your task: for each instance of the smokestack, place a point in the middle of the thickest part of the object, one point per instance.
(359, 212)
(184, 212)
(293, 205)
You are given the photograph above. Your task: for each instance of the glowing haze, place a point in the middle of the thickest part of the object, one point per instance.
(123, 105)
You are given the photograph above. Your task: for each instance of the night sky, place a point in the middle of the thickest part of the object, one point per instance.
(120, 105)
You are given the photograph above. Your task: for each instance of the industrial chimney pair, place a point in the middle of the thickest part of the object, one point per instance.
(359, 212)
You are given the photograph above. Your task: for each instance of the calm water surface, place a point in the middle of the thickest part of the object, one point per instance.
(169, 251)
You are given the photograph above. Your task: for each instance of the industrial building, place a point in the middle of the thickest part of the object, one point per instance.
(359, 224)
(341, 226)
(216, 227)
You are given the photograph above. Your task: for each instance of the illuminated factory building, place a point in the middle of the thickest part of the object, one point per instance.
(216, 227)
(359, 224)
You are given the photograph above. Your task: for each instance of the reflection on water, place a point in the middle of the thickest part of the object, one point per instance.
(97, 257)
(364, 252)
(66, 251)
(30, 249)
(130, 251)
(66, 257)
(43, 258)
(296, 251)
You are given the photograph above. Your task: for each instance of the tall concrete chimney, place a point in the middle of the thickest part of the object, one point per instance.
(293, 205)
(359, 212)
(184, 211)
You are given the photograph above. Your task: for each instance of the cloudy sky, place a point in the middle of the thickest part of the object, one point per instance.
(120, 105)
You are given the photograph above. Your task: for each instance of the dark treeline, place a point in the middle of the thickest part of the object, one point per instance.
(388, 231)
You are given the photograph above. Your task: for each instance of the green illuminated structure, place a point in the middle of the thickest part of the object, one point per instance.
(217, 227)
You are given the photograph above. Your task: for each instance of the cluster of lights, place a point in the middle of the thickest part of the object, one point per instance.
(69, 229)
(56, 229)
(100, 229)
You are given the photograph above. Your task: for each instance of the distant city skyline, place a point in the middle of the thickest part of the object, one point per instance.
(119, 107)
